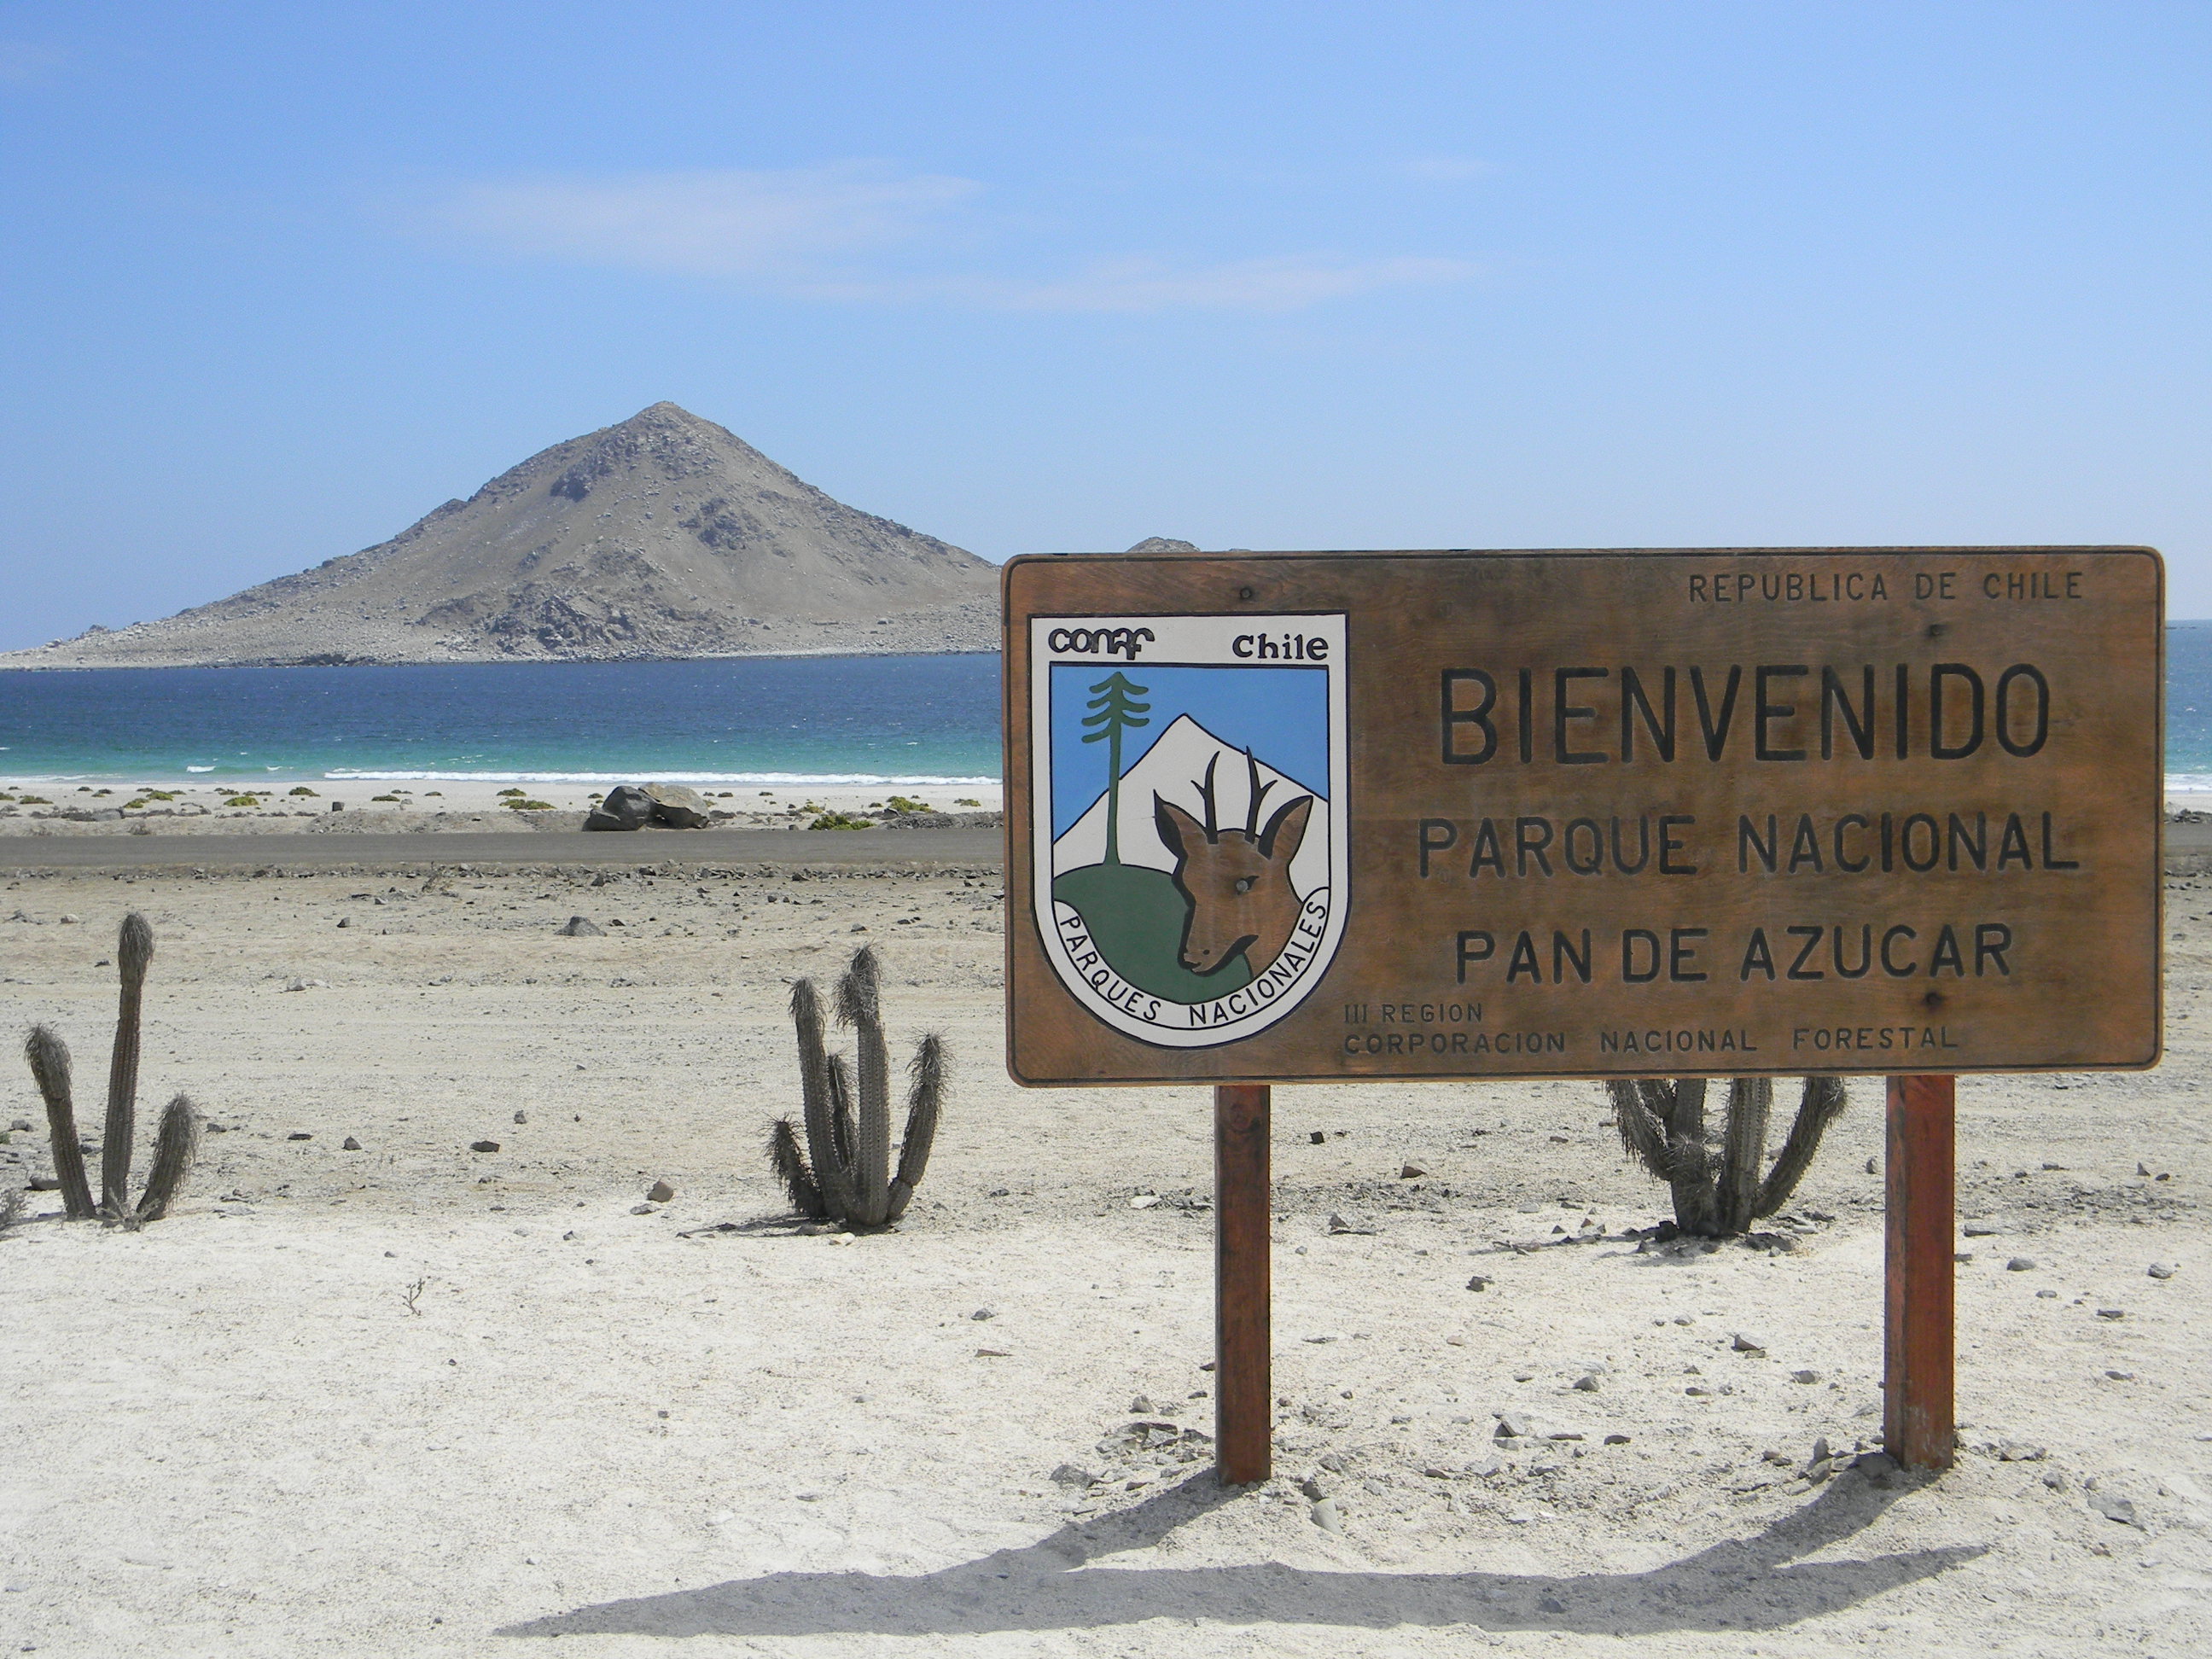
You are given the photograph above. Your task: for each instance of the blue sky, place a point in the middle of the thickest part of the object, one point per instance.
(276, 280)
(1281, 714)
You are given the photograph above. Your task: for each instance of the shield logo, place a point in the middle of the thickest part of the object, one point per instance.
(1191, 856)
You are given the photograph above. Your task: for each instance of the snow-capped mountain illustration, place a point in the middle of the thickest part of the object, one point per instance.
(1172, 768)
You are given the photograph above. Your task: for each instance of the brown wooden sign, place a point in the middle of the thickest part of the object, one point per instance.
(1316, 816)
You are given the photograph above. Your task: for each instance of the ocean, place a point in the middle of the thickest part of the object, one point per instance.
(916, 721)
(799, 720)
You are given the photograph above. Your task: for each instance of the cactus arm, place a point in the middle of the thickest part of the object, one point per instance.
(858, 1006)
(1821, 1104)
(134, 949)
(922, 1116)
(789, 1164)
(50, 1065)
(814, 1082)
(1642, 1135)
(1743, 1150)
(175, 1145)
(860, 1213)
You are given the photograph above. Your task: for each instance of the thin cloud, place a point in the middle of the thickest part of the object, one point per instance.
(861, 232)
(709, 224)
(1138, 285)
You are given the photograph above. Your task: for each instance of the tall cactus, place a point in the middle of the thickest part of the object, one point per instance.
(177, 1141)
(1720, 1192)
(845, 1172)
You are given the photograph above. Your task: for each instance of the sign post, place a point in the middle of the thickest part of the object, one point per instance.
(1331, 817)
(1919, 1346)
(1243, 1408)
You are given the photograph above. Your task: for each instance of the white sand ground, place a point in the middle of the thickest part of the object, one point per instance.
(195, 806)
(233, 1433)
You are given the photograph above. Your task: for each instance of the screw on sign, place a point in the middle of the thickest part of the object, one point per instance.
(1335, 816)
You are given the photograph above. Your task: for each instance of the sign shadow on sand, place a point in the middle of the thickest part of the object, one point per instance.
(1755, 1583)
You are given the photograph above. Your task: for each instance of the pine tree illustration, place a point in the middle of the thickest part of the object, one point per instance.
(1117, 708)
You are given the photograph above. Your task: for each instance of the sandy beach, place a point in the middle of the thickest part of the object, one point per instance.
(191, 806)
(413, 1398)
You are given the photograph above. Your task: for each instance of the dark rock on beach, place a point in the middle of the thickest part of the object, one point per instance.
(625, 806)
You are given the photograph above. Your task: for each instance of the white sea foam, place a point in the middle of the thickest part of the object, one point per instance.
(824, 779)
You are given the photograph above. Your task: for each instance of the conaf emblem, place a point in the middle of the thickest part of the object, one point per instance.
(1191, 851)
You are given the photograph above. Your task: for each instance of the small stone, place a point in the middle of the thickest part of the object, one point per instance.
(1587, 1382)
(2113, 1507)
(1067, 1475)
(1144, 1200)
(350, 1144)
(1870, 1169)
(2112, 1313)
(1483, 1467)
(522, 1117)
(2020, 1264)
(1874, 1464)
(1820, 1452)
(641, 1209)
(2055, 1480)
(982, 1314)
(19, 1125)
(1805, 1376)
(1480, 1282)
(68, 921)
(580, 928)
(1143, 1406)
(1550, 1604)
(1317, 1138)
(1743, 1342)
(2019, 1452)
(483, 1145)
(2047, 1295)
(1326, 1517)
(660, 1192)
(2143, 1168)
(1616, 1440)
(1514, 1426)
(1411, 1172)
(2160, 1270)
(298, 1134)
(1979, 1229)
(345, 921)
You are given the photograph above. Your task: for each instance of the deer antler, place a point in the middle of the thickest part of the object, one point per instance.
(1206, 795)
(1259, 792)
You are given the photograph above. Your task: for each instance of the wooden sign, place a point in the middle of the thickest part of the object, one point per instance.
(1309, 816)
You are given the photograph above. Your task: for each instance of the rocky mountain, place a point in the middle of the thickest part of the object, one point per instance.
(666, 536)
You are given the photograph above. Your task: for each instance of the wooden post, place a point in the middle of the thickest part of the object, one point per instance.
(1243, 1399)
(1919, 1343)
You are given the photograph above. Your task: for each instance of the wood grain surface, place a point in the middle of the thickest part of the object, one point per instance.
(1686, 812)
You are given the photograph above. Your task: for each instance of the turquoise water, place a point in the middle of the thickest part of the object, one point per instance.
(867, 721)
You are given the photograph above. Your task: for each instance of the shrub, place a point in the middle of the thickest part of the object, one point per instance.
(299, 789)
(841, 821)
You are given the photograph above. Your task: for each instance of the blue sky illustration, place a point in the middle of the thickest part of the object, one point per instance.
(1281, 714)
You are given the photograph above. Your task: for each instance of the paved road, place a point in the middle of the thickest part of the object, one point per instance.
(820, 849)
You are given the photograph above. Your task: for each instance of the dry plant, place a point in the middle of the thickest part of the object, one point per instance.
(845, 1172)
(413, 1294)
(12, 1206)
(1719, 1188)
(175, 1143)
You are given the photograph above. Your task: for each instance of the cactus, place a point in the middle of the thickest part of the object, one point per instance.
(50, 1066)
(1719, 1191)
(176, 1142)
(845, 1172)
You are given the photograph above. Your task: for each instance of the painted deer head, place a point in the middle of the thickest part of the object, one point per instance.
(1237, 881)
